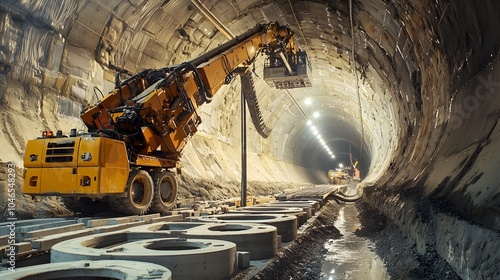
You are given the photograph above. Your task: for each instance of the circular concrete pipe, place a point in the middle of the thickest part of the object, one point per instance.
(259, 240)
(82, 270)
(186, 258)
(286, 225)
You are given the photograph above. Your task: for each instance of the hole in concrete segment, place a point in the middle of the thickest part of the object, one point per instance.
(106, 241)
(169, 245)
(229, 228)
(235, 218)
(174, 227)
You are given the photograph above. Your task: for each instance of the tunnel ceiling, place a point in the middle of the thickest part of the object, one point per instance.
(411, 60)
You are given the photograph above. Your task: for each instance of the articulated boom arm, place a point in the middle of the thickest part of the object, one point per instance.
(154, 111)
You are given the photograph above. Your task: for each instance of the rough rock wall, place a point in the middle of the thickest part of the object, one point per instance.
(444, 153)
(470, 249)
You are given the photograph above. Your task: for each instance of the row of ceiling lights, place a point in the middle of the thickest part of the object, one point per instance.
(315, 131)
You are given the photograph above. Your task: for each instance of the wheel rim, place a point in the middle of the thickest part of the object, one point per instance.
(167, 190)
(139, 191)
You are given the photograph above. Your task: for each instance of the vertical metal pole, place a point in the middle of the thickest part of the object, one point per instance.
(243, 151)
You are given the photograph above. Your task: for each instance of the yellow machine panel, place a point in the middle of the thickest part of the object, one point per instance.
(32, 180)
(58, 180)
(78, 165)
(32, 155)
(114, 166)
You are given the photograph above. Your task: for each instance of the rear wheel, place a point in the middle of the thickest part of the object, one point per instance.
(138, 197)
(165, 192)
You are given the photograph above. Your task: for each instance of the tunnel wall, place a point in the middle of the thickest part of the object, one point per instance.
(442, 187)
(443, 153)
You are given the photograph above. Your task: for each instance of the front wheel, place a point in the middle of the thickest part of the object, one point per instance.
(139, 194)
(165, 192)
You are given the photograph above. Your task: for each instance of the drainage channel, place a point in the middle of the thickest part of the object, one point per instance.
(351, 257)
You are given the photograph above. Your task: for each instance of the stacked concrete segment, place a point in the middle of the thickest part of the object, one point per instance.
(286, 225)
(185, 258)
(259, 240)
(107, 269)
(260, 209)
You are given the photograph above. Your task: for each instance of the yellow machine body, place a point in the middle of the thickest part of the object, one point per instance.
(90, 166)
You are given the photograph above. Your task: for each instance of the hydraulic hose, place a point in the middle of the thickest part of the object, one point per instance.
(350, 198)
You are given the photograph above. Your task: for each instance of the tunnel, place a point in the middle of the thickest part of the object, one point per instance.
(408, 89)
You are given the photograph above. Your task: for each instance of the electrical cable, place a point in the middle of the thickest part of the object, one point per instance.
(298, 25)
(307, 45)
(357, 78)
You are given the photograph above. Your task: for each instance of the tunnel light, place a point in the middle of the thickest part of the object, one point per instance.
(333, 156)
(309, 122)
(315, 132)
(308, 101)
(341, 165)
(319, 136)
(316, 115)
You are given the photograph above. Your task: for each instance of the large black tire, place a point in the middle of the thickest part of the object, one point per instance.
(84, 205)
(139, 194)
(165, 192)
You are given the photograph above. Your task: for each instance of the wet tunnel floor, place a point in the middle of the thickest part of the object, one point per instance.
(351, 241)
(351, 256)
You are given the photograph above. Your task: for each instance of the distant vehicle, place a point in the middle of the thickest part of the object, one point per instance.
(338, 176)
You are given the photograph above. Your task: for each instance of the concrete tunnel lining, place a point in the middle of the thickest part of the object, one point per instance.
(427, 82)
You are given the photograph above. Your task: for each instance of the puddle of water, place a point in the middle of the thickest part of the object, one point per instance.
(350, 257)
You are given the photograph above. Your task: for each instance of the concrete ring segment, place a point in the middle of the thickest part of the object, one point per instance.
(286, 225)
(185, 258)
(107, 269)
(260, 240)
(274, 210)
(308, 210)
(318, 203)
